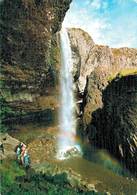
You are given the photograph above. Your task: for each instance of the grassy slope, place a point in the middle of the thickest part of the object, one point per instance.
(122, 73)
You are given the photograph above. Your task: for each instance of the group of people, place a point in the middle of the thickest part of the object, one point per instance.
(22, 155)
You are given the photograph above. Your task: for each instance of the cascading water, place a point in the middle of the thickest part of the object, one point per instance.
(67, 133)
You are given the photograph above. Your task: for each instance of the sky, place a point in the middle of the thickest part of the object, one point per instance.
(109, 22)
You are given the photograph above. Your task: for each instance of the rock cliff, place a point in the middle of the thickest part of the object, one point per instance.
(87, 56)
(30, 52)
(107, 79)
(114, 127)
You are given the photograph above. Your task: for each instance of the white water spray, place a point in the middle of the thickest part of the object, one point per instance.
(67, 117)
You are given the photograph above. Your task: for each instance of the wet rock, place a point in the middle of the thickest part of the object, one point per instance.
(74, 151)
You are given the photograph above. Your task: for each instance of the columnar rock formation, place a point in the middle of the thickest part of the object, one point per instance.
(109, 101)
(114, 127)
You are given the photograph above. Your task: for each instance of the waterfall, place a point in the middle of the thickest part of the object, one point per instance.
(67, 119)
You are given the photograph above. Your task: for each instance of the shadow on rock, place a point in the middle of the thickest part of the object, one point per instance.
(114, 127)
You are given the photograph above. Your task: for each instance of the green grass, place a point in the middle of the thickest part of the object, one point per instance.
(40, 184)
(128, 71)
(122, 73)
(15, 181)
(9, 170)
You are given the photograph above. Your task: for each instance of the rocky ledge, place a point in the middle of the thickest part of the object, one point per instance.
(9, 144)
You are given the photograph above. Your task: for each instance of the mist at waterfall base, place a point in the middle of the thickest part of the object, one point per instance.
(67, 136)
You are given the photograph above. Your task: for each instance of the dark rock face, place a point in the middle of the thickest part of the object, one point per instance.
(114, 127)
(30, 51)
(27, 29)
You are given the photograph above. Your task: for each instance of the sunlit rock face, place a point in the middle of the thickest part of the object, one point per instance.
(97, 67)
(94, 66)
(87, 56)
(82, 45)
(10, 144)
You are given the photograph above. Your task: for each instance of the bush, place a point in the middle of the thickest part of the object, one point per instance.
(9, 170)
(36, 184)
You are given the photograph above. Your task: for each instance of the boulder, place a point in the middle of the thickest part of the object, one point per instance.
(9, 144)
